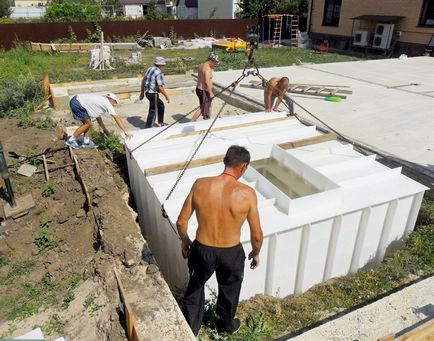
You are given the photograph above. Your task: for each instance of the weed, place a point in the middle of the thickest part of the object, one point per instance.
(44, 241)
(48, 188)
(90, 304)
(16, 92)
(74, 281)
(31, 156)
(111, 142)
(68, 298)
(17, 269)
(4, 261)
(426, 213)
(26, 117)
(30, 299)
(70, 295)
(173, 36)
(39, 210)
(54, 325)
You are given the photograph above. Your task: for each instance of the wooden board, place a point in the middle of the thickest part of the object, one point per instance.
(219, 158)
(248, 124)
(130, 318)
(308, 141)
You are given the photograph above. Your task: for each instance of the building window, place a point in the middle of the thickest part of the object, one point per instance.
(332, 12)
(427, 17)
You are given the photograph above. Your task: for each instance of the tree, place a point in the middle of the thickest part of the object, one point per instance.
(257, 8)
(111, 7)
(72, 11)
(5, 8)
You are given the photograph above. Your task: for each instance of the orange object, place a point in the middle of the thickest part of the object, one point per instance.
(324, 47)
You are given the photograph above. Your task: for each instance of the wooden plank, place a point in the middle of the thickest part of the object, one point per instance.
(178, 166)
(424, 332)
(308, 141)
(44, 159)
(389, 337)
(219, 158)
(129, 316)
(46, 82)
(241, 125)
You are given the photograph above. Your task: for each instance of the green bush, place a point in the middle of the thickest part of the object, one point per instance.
(44, 241)
(16, 92)
(48, 188)
(5, 8)
(72, 11)
(111, 142)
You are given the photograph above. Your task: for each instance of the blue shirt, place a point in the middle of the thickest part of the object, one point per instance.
(154, 78)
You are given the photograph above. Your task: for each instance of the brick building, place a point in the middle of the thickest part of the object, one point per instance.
(399, 26)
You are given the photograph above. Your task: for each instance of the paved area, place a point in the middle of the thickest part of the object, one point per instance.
(390, 110)
(134, 112)
(397, 313)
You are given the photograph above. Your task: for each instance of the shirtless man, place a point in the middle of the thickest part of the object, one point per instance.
(222, 204)
(276, 88)
(204, 87)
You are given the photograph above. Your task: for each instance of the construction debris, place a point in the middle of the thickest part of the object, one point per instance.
(27, 170)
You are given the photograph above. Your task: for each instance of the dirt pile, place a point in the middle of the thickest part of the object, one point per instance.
(56, 265)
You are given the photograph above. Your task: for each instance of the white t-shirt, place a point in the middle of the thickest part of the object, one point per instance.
(96, 105)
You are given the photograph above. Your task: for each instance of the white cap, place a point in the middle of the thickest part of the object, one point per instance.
(160, 61)
(214, 57)
(112, 96)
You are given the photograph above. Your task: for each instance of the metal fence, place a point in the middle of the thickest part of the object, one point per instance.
(47, 32)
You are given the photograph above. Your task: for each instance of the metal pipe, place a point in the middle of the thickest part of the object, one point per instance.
(4, 173)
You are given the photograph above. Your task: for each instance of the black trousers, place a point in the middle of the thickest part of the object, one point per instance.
(203, 261)
(155, 105)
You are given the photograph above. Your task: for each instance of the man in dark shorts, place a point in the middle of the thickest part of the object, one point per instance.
(222, 204)
(204, 87)
(86, 107)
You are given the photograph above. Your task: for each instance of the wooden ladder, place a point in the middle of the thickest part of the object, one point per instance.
(277, 29)
(320, 90)
(294, 29)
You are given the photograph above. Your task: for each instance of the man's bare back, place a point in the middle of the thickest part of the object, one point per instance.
(222, 205)
(275, 88)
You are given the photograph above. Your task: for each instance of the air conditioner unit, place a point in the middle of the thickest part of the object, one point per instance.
(383, 36)
(361, 38)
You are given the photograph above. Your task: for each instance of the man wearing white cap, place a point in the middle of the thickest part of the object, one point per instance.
(152, 85)
(86, 107)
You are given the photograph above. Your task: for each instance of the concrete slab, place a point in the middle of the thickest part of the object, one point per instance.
(384, 112)
(134, 112)
(393, 314)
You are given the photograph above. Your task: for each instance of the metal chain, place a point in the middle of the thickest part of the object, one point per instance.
(188, 162)
(176, 121)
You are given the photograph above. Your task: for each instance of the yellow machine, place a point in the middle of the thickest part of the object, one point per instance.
(232, 45)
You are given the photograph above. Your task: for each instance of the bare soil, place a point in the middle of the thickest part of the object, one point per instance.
(83, 243)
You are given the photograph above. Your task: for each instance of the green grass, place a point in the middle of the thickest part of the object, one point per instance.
(66, 67)
(30, 299)
(16, 269)
(44, 241)
(70, 294)
(266, 318)
(90, 304)
(111, 142)
(48, 188)
(54, 325)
